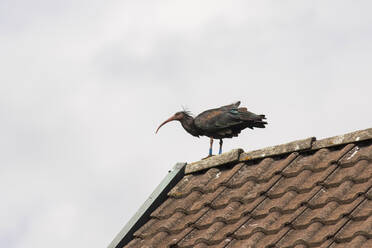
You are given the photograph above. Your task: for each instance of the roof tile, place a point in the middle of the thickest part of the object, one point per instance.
(250, 172)
(358, 172)
(319, 160)
(357, 242)
(270, 224)
(227, 214)
(287, 203)
(359, 152)
(206, 182)
(191, 204)
(328, 214)
(354, 228)
(363, 210)
(155, 241)
(215, 233)
(344, 193)
(175, 224)
(317, 197)
(208, 235)
(313, 235)
(261, 172)
(369, 194)
(249, 192)
(134, 243)
(302, 183)
(259, 239)
(172, 205)
(221, 244)
(163, 239)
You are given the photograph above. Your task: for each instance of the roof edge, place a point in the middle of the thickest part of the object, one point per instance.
(156, 198)
(299, 145)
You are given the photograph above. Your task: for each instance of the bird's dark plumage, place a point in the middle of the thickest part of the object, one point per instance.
(227, 121)
(219, 123)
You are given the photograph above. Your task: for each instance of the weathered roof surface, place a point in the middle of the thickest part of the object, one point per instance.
(305, 194)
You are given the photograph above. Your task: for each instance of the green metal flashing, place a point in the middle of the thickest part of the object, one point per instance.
(157, 197)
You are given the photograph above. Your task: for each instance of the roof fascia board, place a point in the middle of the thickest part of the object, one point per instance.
(157, 197)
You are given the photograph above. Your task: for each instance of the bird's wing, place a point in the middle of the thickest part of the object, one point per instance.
(227, 117)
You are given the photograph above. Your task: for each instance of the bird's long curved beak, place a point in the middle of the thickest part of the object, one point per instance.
(173, 118)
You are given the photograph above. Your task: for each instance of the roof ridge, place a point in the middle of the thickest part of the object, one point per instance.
(310, 143)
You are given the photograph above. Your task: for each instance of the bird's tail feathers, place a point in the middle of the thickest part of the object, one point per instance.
(260, 124)
(246, 115)
(251, 118)
(258, 120)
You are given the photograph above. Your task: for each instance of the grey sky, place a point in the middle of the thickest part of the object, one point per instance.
(84, 84)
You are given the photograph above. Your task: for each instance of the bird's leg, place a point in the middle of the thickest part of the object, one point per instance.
(221, 142)
(210, 147)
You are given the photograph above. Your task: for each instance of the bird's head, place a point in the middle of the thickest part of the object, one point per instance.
(179, 116)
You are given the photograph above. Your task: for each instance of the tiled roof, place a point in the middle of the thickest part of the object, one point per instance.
(305, 194)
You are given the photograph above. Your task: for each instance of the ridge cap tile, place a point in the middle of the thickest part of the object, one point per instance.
(356, 136)
(310, 143)
(217, 160)
(297, 145)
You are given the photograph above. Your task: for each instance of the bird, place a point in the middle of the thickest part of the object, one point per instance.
(218, 123)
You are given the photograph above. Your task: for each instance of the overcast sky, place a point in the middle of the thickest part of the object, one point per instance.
(84, 84)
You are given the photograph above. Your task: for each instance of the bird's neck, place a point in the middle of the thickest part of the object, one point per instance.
(189, 125)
